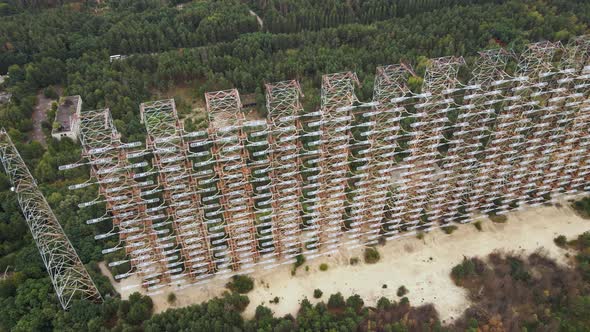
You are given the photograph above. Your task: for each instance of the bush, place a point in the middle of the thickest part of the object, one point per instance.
(560, 241)
(336, 301)
(171, 298)
(467, 268)
(371, 256)
(50, 92)
(355, 302)
(299, 260)
(449, 229)
(584, 241)
(317, 293)
(498, 218)
(241, 284)
(354, 261)
(402, 291)
(582, 207)
(477, 225)
(323, 267)
(275, 300)
(420, 235)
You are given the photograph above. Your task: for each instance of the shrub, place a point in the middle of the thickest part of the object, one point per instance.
(317, 293)
(336, 301)
(299, 260)
(449, 229)
(477, 225)
(355, 302)
(420, 235)
(582, 207)
(354, 261)
(275, 300)
(371, 255)
(467, 268)
(402, 290)
(171, 298)
(241, 284)
(50, 92)
(560, 241)
(584, 241)
(384, 286)
(383, 303)
(323, 267)
(498, 218)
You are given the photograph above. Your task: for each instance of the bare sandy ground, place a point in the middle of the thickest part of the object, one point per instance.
(423, 266)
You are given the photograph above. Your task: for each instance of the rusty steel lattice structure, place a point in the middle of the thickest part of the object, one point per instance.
(68, 275)
(255, 194)
(138, 221)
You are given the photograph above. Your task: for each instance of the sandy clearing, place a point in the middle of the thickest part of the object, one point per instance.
(423, 266)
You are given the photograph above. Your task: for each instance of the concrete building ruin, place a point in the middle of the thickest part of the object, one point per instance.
(67, 118)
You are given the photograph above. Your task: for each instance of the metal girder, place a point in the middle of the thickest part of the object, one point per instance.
(68, 275)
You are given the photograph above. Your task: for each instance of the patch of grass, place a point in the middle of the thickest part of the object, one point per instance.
(371, 256)
(354, 261)
(323, 267)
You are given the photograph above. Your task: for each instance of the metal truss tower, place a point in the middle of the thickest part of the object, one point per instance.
(337, 98)
(181, 191)
(226, 121)
(132, 215)
(284, 110)
(462, 181)
(423, 205)
(68, 275)
(390, 90)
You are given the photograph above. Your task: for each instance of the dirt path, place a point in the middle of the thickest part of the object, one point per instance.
(40, 115)
(423, 266)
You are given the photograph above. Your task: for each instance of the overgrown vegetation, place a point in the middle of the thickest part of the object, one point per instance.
(371, 255)
(241, 284)
(582, 206)
(206, 46)
(449, 229)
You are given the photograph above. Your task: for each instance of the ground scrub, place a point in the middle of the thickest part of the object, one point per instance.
(371, 255)
(449, 229)
(323, 267)
(240, 284)
(560, 241)
(468, 268)
(317, 293)
(402, 290)
(582, 207)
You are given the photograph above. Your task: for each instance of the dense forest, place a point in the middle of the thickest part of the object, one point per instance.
(48, 45)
